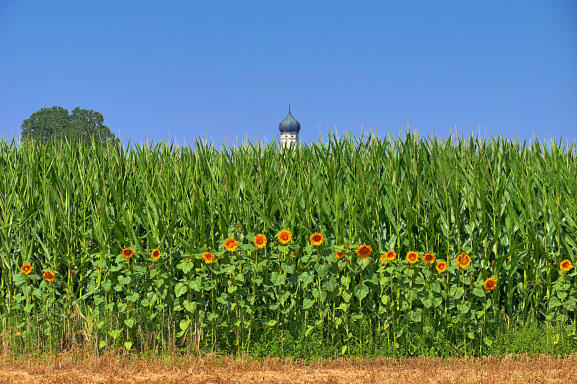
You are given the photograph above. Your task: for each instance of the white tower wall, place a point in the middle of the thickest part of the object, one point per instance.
(288, 139)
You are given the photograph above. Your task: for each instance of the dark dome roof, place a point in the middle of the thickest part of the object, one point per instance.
(289, 124)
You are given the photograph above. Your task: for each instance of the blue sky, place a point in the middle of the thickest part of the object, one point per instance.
(184, 69)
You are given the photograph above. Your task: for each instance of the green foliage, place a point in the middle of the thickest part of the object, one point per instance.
(54, 124)
(70, 207)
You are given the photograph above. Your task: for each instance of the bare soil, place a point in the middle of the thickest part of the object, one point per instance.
(72, 368)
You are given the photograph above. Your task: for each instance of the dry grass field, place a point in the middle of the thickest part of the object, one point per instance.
(72, 369)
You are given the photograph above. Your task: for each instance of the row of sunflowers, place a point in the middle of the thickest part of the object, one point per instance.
(284, 237)
(251, 283)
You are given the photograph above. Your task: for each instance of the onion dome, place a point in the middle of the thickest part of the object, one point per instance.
(289, 124)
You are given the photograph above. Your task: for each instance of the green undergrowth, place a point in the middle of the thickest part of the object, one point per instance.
(534, 339)
(498, 340)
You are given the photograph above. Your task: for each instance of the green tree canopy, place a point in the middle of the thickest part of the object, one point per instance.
(51, 124)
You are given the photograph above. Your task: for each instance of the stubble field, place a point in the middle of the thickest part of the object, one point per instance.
(71, 369)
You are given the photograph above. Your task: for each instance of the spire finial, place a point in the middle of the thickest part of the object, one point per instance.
(289, 107)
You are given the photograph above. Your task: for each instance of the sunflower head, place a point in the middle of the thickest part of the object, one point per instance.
(317, 239)
(391, 255)
(566, 265)
(128, 253)
(340, 254)
(412, 257)
(260, 241)
(364, 251)
(26, 268)
(463, 260)
(429, 258)
(230, 244)
(49, 276)
(441, 266)
(208, 257)
(155, 254)
(284, 236)
(490, 284)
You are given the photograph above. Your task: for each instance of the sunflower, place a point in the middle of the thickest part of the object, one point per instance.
(383, 258)
(340, 254)
(285, 237)
(230, 244)
(26, 269)
(490, 284)
(441, 266)
(260, 241)
(566, 265)
(412, 257)
(364, 251)
(207, 257)
(155, 255)
(391, 255)
(128, 252)
(49, 276)
(317, 239)
(429, 258)
(464, 260)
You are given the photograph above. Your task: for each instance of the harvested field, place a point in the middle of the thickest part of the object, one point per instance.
(68, 369)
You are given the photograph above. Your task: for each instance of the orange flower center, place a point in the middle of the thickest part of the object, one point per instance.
(429, 258)
(463, 260)
(490, 284)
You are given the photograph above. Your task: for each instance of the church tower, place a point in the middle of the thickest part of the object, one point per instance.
(289, 130)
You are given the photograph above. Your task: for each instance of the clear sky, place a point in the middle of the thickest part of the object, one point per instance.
(186, 69)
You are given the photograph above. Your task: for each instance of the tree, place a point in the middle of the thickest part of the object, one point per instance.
(52, 124)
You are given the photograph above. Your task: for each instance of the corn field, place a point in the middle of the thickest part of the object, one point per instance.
(351, 246)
